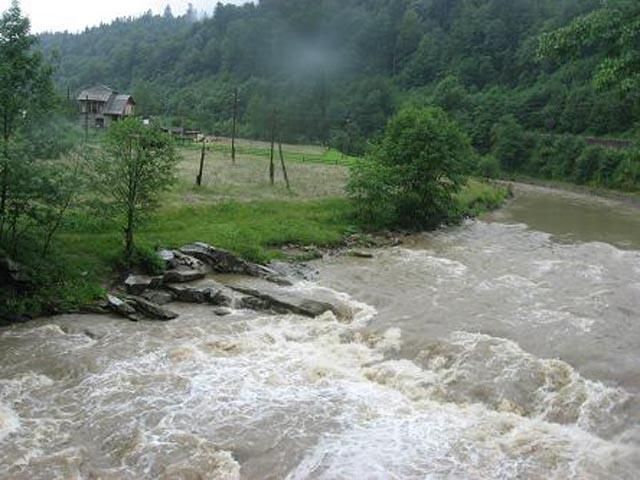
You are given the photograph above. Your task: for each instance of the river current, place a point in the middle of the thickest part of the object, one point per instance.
(507, 347)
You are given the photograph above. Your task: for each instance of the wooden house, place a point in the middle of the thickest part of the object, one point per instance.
(100, 106)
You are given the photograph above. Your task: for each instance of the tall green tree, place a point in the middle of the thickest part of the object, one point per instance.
(26, 93)
(25, 87)
(138, 166)
(411, 178)
(614, 30)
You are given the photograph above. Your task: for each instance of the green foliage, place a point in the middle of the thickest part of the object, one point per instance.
(139, 165)
(489, 167)
(409, 180)
(627, 174)
(34, 193)
(145, 260)
(327, 65)
(510, 144)
(613, 29)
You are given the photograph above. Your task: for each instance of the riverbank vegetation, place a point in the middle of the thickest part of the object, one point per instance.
(454, 88)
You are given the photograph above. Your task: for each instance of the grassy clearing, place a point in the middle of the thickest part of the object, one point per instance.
(236, 208)
(479, 197)
(293, 153)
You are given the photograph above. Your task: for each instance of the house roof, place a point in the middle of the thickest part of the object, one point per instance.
(117, 104)
(97, 93)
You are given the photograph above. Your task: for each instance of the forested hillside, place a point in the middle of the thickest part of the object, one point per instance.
(334, 70)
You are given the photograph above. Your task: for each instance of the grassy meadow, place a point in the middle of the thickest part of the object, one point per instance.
(236, 208)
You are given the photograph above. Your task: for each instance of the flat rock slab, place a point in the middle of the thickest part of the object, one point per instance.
(136, 284)
(137, 308)
(286, 302)
(159, 297)
(183, 276)
(151, 310)
(206, 292)
(223, 261)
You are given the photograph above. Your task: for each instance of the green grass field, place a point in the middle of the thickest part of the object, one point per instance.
(236, 208)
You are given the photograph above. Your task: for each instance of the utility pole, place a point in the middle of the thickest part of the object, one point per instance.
(273, 140)
(202, 153)
(284, 168)
(233, 132)
(86, 120)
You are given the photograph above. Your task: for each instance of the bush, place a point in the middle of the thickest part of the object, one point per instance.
(409, 180)
(587, 164)
(489, 167)
(147, 261)
(627, 174)
(511, 144)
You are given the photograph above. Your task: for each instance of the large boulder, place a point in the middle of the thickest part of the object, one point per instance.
(222, 261)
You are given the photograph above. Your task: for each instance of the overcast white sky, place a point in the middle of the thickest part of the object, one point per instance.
(74, 15)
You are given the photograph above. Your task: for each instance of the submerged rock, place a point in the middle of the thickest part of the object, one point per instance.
(359, 254)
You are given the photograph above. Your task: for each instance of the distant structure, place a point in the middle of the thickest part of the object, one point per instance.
(100, 106)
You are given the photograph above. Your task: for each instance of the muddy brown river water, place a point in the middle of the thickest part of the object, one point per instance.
(507, 347)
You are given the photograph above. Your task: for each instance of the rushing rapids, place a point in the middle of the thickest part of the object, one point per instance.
(497, 349)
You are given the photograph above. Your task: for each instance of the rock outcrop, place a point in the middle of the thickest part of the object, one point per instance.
(286, 302)
(137, 308)
(222, 261)
(210, 292)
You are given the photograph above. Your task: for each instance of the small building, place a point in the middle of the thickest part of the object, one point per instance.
(101, 105)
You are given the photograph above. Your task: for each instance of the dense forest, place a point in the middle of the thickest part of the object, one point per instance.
(333, 71)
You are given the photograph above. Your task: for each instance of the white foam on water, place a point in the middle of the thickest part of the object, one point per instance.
(317, 398)
(9, 421)
(426, 259)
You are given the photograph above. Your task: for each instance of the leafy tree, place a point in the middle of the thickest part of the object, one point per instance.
(613, 29)
(25, 92)
(489, 167)
(35, 190)
(409, 180)
(138, 166)
(510, 144)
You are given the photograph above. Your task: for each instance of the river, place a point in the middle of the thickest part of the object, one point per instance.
(507, 347)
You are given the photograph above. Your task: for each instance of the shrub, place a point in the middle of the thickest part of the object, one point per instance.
(587, 164)
(627, 174)
(489, 167)
(410, 178)
(511, 144)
